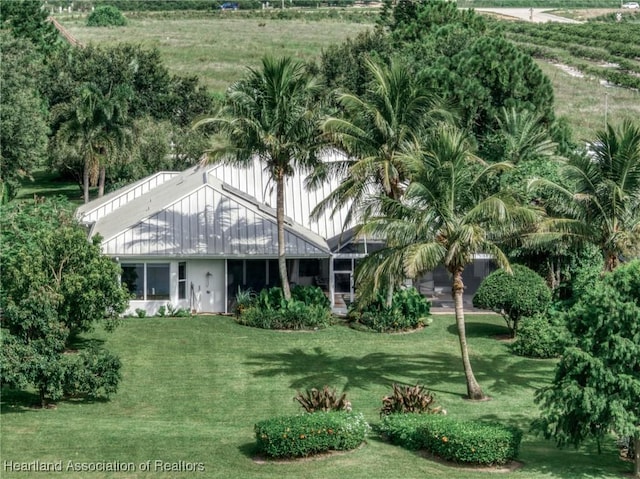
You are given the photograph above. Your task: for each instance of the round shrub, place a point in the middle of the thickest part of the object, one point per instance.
(409, 310)
(106, 16)
(469, 442)
(308, 434)
(540, 337)
(522, 293)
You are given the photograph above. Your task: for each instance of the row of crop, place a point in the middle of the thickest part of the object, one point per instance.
(623, 44)
(623, 66)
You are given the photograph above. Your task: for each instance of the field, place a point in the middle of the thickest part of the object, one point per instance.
(192, 390)
(217, 48)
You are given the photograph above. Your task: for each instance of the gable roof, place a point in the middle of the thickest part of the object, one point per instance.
(192, 214)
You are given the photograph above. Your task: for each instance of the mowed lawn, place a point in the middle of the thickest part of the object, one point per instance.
(192, 389)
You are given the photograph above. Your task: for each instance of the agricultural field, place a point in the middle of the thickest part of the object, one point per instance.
(218, 48)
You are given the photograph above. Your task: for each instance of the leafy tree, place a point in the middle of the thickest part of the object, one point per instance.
(28, 19)
(271, 113)
(54, 285)
(597, 382)
(598, 198)
(514, 295)
(445, 217)
(106, 16)
(23, 115)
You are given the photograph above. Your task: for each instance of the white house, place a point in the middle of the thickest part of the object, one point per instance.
(192, 239)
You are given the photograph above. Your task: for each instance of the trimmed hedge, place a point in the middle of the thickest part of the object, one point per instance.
(308, 434)
(541, 337)
(467, 442)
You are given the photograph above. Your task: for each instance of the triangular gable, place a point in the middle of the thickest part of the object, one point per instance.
(210, 221)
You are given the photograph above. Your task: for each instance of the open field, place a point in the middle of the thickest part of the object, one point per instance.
(192, 390)
(218, 49)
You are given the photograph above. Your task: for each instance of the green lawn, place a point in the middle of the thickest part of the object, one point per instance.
(192, 390)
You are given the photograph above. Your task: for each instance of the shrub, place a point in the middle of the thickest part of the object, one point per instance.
(324, 399)
(293, 315)
(106, 16)
(409, 399)
(541, 337)
(468, 442)
(307, 434)
(409, 310)
(523, 293)
(93, 372)
(310, 295)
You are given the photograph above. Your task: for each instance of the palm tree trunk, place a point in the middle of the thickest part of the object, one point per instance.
(282, 261)
(101, 179)
(85, 181)
(474, 391)
(610, 261)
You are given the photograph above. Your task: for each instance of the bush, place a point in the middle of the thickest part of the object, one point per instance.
(93, 372)
(467, 442)
(307, 434)
(324, 399)
(409, 399)
(523, 293)
(106, 16)
(310, 295)
(541, 337)
(409, 310)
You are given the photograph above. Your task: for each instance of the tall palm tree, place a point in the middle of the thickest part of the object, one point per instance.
(272, 113)
(445, 217)
(598, 198)
(97, 124)
(525, 135)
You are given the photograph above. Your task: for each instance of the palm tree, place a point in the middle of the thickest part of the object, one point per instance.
(272, 113)
(598, 198)
(445, 217)
(375, 131)
(525, 135)
(97, 124)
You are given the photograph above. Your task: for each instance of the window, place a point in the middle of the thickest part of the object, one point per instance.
(309, 267)
(182, 280)
(147, 280)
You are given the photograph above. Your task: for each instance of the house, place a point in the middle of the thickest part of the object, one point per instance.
(193, 239)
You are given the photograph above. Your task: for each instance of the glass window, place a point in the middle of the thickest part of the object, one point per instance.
(133, 278)
(342, 265)
(158, 281)
(182, 280)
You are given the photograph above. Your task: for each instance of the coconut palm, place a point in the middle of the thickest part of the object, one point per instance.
(97, 124)
(375, 131)
(271, 113)
(445, 217)
(598, 198)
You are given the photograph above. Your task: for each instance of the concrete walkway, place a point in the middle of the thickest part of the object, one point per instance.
(536, 15)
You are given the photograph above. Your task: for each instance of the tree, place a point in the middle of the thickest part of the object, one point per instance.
(97, 123)
(598, 198)
(272, 113)
(29, 20)
(597, 381)
(514, 295)
(445, 217)
(54, 285)
(23, 115)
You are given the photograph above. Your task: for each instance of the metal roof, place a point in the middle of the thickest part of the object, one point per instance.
(192, 214)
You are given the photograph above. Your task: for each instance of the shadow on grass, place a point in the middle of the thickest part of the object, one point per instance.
(476, 329)
(17, 401)
(80, 342)
(249, 449)
(315, 368)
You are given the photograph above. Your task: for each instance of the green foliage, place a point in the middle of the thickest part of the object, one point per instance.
(468, 442)
(308, 434)
(23, 114)
(292, 314)
(28, 19)
(325, 399)
(141, 313)
(106, 16)
(409, 399)
(310, 295)
(54, 285)
(94, 373)
(540, 336)
(409, 310)
(514, 295)
(597, 381)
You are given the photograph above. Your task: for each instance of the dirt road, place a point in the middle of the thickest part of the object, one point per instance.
(537, 15)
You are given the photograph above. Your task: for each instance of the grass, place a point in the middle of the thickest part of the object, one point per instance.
(49, 184)
(192, 390)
